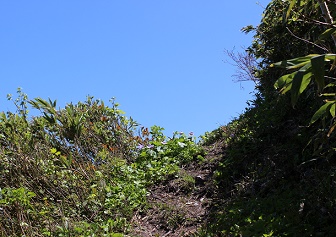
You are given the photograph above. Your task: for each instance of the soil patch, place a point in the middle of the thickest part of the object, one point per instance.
(180, 205)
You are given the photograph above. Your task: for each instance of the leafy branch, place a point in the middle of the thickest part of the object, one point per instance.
(315, 68)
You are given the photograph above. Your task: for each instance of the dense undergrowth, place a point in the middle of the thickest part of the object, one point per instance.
(82, 170)
(278, 174)
(87, 170)
(267, 185)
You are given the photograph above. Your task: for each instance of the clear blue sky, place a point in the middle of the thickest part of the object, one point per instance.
(162, 60)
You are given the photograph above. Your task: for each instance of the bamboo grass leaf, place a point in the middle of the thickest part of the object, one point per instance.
(294, 63)
(283, 81)
(332, 110)
(300, 82)
(321, 112)
(318, 64)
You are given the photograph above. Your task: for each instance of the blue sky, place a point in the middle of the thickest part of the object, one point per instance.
(162, 60)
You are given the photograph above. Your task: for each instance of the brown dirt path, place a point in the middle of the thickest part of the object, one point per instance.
(179, 206)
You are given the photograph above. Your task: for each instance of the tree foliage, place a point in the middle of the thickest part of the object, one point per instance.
(319, 67)
(278, 173)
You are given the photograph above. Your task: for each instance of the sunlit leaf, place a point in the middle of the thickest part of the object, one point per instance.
(53, 150)
(305, 81)
(330, 57)
(300, 82)
(294, 63)
(284, 83)
(322, 111)
(332, 110)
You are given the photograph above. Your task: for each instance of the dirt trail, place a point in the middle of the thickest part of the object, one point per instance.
(179, 206)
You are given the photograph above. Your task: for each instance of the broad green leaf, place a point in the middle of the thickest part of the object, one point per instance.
(318, 64)
(283, 81)
(330, 57)
(295, 91)
(294, 63)
(300, 82)
(305, 81)
(332, 110)
(321, 112)
(286, 88)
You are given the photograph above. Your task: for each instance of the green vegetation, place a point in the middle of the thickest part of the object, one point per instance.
(278, 175)
(81, 170)
(88, 170)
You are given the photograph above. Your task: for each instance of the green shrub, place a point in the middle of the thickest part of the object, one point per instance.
(81, 170)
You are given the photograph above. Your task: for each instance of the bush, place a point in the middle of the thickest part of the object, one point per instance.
(81, 170)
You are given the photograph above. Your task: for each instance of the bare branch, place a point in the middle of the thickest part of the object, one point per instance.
(245, 65)
(307, 41)
(329, 22)
(326, 15)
